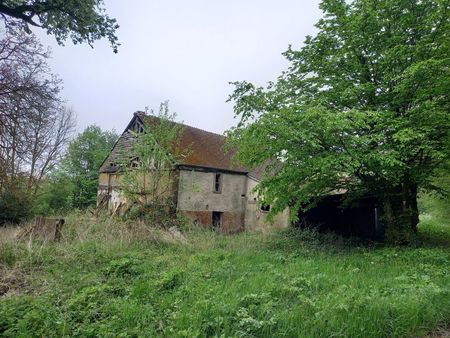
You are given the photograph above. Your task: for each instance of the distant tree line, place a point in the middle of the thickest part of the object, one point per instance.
(73, 183)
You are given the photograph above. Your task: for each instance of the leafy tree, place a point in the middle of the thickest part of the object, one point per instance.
(147, 174)
(81, 20)
(84, 157)
(55, 194)
(364, 106)
(15, 202)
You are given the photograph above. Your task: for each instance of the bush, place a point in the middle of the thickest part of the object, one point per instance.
(54, 196)
(124, 267)
(156, 216)
(15, 204)
(435, 206)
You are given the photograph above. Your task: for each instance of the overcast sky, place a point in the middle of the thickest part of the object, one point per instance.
(182, 51)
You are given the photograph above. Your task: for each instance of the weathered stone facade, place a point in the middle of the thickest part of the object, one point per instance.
(196, 194)
(207, 189)
(255, 217)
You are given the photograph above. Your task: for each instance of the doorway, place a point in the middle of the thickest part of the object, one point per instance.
(216, 219)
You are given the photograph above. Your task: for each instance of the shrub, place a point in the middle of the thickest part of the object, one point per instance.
(123, 267)
(15, 204)
(54, 196)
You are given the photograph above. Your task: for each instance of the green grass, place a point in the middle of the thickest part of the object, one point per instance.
(109, 280)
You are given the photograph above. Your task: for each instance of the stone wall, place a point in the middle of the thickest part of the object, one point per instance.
(200, 218)
(255, 218)
(233, 222)
(197, 199)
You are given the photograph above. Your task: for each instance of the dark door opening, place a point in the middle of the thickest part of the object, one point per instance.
(360, 218)
(216, 219)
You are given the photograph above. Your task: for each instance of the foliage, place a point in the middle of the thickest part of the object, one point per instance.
(15, 203)
(291, 283)
(363, 107)
(84, 157)
(55, 196)
(81, 21)
(435, 205)
(73, 183)
(147, 171)
(123, 267)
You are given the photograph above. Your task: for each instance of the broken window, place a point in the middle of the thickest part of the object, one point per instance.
(265, 207)
(114, 164)
(134, 163)
(218, 183)
(137, 127)
(216, 219)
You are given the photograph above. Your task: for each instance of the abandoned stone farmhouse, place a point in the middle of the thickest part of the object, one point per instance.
(207, 188)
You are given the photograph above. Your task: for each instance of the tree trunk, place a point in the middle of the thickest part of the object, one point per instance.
(401, 214)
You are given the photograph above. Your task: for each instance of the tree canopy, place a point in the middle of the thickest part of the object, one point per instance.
(80, 20)
(364, 107)
(84, 157)
(73, 182)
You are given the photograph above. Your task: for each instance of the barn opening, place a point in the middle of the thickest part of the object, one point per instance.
(360, 218)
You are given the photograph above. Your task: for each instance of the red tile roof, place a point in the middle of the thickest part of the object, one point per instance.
(206, 149)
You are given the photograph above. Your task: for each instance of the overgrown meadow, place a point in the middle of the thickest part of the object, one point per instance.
(110, 278)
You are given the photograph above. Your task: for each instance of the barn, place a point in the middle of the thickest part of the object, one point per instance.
(207, 188)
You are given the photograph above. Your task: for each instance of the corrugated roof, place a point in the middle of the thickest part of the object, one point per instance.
(206, 149)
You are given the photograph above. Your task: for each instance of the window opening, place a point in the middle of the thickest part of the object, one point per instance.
(217, 183)
(265, 207)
